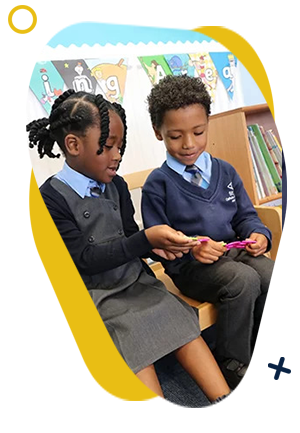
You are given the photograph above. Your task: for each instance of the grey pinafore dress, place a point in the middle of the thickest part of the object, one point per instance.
(144, 320)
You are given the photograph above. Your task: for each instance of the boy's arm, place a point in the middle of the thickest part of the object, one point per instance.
(153, 213)
(246, 220)
(153, 209)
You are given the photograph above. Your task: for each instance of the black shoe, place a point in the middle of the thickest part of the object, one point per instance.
(249, 380)
(228, 401)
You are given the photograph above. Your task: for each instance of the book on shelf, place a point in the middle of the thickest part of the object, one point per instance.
(268, 185)
(257, 178)
(277, 159)
(275, 145)
(271, 168)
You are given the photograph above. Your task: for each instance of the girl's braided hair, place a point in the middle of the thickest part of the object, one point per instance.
(73, 112)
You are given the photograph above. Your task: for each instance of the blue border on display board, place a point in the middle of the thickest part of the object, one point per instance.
(92, 33)
(17, 149)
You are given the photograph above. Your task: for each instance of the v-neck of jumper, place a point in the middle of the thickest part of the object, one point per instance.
(195, 190)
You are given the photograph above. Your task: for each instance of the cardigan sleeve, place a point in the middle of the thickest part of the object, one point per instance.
(93, 259)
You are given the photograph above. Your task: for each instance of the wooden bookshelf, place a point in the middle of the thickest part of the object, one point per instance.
(228, 140)
(270, 198)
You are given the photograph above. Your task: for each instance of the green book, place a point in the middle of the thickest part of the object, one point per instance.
(266, 154)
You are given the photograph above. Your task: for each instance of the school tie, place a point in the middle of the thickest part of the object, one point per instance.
(196, 175)
(95, 191)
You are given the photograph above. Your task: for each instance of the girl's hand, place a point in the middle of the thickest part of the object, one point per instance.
(208, 252)
(166, 238)
(260, 247)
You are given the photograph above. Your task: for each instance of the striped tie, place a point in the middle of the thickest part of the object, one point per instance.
(195, 172)
(95, 191)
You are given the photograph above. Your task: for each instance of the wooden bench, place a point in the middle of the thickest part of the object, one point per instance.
(52, 378)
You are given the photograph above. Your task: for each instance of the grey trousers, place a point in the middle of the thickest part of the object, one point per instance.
(237, 284)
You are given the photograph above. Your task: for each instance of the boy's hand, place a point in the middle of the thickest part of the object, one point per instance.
(166, 238)
(209, 252)
(259, 247)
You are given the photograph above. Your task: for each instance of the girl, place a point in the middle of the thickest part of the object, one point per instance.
(91, 207)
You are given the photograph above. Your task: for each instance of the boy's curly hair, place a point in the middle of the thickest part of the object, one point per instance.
(174, 92)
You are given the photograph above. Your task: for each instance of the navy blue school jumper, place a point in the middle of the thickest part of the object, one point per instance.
(143, 319)
(237, 283)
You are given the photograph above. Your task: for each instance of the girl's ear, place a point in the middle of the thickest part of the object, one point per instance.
(72, 144)
(157, 134)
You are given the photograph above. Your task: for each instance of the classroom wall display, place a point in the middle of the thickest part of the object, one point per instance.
(225, 64)
(110, 76)
(181, 64)
(105, 76)
(46, 84)
(203, 65)
(156, 67)
(76, 75)
(207, 71)
(125, 73)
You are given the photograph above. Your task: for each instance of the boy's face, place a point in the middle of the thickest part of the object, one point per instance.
(103, 167)
(184, 132)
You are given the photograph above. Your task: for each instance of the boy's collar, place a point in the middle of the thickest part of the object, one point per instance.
(201, 163)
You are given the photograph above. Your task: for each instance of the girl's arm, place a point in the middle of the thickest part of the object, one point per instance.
(94, 258)
(89, 258)
(126, 207)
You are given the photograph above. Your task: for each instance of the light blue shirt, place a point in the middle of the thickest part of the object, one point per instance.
(77, 181)
(203, 163)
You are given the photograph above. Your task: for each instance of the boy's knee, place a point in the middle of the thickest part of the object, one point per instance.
(245, 281)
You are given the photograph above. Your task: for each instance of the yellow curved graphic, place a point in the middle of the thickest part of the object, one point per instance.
(246, 55)
(96, 347)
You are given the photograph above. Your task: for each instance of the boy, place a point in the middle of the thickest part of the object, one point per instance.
(204, 196)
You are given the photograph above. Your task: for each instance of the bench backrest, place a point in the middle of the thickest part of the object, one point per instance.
(137, 180)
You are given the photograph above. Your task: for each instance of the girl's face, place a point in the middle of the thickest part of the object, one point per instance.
(103, 167)
(184, 132)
